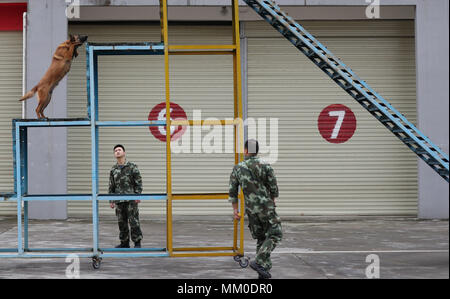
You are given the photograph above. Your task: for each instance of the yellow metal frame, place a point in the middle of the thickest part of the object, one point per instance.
(235, 50)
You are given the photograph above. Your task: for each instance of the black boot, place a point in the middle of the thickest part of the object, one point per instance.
(262, 272)
(123, 245)
(137, 244)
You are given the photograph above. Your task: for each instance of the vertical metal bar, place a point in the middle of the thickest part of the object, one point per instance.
(24, 159)
(25, 221)
(236, 116)
(238, 100)
(24, 179)
(95, 179)
(93, 93)
(235, 234)
(168, 136)
(14, 154)
(161, 20)
(19, 191)
(88, 78)
(244, 72)
(24, 61)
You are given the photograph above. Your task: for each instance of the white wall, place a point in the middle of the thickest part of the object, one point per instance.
(432, 50)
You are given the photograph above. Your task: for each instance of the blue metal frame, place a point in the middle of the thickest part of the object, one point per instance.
(20, 161)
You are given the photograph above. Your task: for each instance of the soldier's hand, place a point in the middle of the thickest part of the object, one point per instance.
(237, 216)
(112, 205)
(137, 201)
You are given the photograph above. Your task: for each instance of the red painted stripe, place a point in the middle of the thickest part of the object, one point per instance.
(11, 16)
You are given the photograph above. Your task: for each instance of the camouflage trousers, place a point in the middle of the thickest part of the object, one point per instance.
(128, 212)
(266, 229)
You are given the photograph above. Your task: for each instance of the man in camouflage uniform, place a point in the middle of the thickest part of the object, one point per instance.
(260, 189)
(125, 178)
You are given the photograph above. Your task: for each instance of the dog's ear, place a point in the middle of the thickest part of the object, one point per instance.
(72, 38)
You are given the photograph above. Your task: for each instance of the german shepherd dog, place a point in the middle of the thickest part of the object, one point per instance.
(60, 66)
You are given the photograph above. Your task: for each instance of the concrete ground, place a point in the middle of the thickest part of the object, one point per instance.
(313, 248)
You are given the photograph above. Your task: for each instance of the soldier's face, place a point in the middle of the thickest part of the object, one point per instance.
(119, 153)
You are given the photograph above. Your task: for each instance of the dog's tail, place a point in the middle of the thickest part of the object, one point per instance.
(29, 94)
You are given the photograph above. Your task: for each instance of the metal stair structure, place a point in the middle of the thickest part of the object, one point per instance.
(331, 65)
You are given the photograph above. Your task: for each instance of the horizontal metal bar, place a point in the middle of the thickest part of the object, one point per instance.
(9, 250)
(200, 196)
(201, 53)
(8, 199)
(127, 47)
(43, 255)
(51, 123)
(83, 255)
(146, 123)
(56, 197)
(203, 254)
(52, 197)
(58, 249)
(180, 122)
(201, 47)
(132, 197)
(125, 255)
(131, 249)
(203, 248)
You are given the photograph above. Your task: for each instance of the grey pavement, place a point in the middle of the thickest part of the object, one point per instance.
(312, 248)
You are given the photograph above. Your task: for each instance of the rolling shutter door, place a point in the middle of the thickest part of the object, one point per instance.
(373, 173)
(10, 108)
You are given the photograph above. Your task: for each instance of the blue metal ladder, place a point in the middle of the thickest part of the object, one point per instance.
(353, 85)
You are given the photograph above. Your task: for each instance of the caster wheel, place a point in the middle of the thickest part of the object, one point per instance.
(243, 262)
(96, 262)
(237, 258)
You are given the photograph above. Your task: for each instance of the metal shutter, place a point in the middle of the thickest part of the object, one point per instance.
(10, 108)
(371, 174)
(130, 86)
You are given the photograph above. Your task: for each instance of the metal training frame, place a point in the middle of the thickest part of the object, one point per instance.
(20, 131)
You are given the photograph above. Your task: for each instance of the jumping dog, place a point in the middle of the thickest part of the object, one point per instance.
(60, 66)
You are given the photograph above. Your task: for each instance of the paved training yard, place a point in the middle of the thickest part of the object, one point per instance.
(313, 248)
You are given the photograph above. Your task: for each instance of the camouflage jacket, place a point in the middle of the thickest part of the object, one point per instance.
(125, 179)
(258, 183)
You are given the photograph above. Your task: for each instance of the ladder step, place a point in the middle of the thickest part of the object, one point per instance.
(322, 64)
(421, 151)
(348, 87)
(299, 43)
(336, 76)
(433, 161)
(410, 140)
(398, 130)
(443, 172)
(371, 108)
(385, 119)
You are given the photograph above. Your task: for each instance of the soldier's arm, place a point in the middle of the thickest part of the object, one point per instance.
(137, 180)
(233, 190)
(272, 182)
(233, 193)
(112, 185)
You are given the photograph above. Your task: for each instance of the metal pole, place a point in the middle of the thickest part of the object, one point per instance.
(164, 22)
(24, 62)
(19, 191)
(92, 94)
(238, 110)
